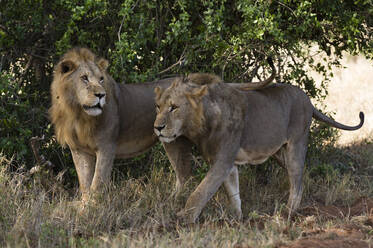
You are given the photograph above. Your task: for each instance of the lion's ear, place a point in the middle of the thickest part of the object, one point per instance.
(191, 100)
(196, 96)
(174, 83)
(103, 64)
(200, 92)
(67, 66)
(158, 92)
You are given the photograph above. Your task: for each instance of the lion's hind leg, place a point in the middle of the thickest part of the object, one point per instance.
(294, 159)
(231, 185)
(280, 156)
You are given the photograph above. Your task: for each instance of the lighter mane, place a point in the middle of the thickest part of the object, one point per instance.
(235, 127)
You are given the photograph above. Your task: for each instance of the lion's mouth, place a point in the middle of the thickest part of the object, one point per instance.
(167, 139)
(86, 107)
(94, 110)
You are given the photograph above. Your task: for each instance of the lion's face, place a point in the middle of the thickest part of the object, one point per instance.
(81, 84)
(90, 92)
(178, 110)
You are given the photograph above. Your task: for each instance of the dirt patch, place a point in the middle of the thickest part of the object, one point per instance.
(345, 237)
(354, 235)
(336, 243)
(362, 206)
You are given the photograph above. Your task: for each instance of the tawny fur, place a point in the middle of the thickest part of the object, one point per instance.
(234, 126)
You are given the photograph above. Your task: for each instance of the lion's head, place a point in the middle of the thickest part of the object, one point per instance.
(79, 90)
(78, 81)
(180, 108)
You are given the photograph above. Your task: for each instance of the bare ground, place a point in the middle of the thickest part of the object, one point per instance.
(357, 233)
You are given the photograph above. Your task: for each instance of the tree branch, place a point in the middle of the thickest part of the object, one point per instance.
(40, 160)
(179, 62)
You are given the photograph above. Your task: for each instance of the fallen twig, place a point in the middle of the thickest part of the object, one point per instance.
(41, 162)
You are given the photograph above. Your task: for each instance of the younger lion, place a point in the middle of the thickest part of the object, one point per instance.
(232, 126)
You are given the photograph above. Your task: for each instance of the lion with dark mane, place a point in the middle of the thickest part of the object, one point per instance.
(100, 120)
(231, 126)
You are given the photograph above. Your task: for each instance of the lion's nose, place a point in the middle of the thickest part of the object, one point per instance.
(159, 128)
(100, 95)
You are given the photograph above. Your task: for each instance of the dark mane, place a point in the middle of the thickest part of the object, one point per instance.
(203, 78)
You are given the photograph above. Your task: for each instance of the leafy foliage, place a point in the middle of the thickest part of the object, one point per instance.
(145, 40)
(19, 119)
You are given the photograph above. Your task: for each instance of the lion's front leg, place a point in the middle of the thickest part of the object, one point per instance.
(205, 190)
(179, 154)
(104, 164)
(85, 168)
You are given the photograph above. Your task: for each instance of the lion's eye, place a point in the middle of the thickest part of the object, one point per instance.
(85, 78)
(172, 108)
(101, 80)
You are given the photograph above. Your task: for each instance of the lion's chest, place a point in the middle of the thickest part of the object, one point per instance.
(84, 138)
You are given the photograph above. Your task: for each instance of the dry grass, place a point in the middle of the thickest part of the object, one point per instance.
(36, 211)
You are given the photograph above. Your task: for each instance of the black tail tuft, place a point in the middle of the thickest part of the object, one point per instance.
(361, 116)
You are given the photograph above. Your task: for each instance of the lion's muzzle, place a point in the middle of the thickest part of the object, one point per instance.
(162, 137)
(158, 130)
(96, 107)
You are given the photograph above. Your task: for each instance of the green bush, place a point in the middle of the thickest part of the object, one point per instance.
(20, 117)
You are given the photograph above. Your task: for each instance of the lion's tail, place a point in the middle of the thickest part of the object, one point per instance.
(321, 117)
